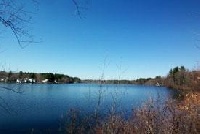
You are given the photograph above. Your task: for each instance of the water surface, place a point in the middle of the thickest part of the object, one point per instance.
(44, 105)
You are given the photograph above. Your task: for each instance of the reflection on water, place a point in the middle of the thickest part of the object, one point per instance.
(43, 105)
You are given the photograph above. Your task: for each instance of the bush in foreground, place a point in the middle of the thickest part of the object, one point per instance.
(174, 117)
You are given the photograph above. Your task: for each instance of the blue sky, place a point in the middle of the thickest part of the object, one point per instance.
(124, 39)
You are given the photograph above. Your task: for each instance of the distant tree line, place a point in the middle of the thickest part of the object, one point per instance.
(12, 77)
(178, 78)
(183, 79)
(140, 81)
(108, 81)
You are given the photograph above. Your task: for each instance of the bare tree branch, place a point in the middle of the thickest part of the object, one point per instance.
(14, 17)
(77, 8)
(80, 7)
(11, 89)
(4, 105)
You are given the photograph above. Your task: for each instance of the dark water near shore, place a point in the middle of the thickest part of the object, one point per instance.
(42, 106)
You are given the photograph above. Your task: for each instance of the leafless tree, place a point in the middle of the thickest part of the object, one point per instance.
(15, 17)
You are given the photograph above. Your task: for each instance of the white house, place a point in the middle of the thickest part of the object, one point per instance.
(31, 80)
(18, 81)
(45, 81)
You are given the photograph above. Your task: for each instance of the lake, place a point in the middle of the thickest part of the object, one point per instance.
(43, 106)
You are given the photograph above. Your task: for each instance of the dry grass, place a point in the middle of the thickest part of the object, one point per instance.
(174, 117)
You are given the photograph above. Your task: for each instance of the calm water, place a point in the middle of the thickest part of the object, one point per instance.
(44, 105)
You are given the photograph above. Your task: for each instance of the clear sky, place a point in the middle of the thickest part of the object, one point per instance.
(120, 38)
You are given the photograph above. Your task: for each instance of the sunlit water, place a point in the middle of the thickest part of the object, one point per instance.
(42, 106)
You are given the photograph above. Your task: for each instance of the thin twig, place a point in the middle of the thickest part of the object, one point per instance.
(11, 89)
(77, 8)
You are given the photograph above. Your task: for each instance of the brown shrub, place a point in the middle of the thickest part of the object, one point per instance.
(174, 117)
